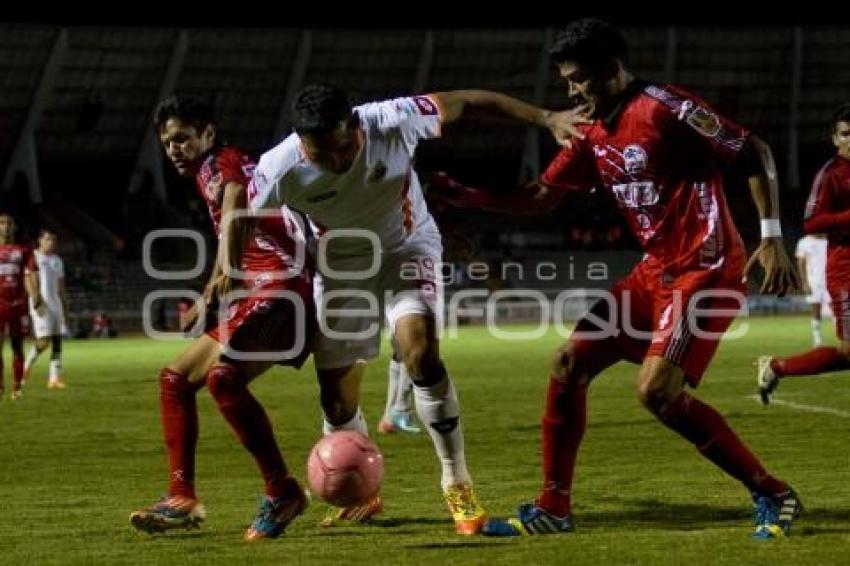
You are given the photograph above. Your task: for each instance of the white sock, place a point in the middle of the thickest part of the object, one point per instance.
(439, 410)
(32, 356)
(55, 367)
(817, 337)
(392, 387)
(357, 422)
(403, 391)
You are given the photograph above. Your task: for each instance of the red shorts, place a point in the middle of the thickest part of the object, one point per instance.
(649, 313)
(16, 320)
(264, 323)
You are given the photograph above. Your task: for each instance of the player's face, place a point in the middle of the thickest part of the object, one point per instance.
(7, 226)
(336, 151)
(841, 139)
(185, 145)
(47, 243)
(584, 88)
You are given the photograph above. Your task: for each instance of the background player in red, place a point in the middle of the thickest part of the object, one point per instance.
(18, 280)
(658, 150)
(264, 250)
(827, 211)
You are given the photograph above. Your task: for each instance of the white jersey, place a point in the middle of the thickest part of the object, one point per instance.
(380, 192)
(50, 272)
(814, 251)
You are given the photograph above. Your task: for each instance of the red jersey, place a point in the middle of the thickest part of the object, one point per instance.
(271, 250)
(16, 260)
(659, 154)
(828, 211)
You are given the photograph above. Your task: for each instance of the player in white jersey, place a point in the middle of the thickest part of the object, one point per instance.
(49, 320)
(379, 249)
(811, 261)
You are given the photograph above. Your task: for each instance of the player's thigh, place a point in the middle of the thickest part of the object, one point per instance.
(659, 382)
(197, 360)
(349, 321)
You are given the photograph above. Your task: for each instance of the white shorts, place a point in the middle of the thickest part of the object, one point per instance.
(406, 281)
(51, 323)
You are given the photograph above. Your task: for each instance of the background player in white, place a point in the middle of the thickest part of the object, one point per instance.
(811, 261)
(351, 171)
(49, 321)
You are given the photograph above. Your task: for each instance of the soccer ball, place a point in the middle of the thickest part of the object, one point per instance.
(345, 468)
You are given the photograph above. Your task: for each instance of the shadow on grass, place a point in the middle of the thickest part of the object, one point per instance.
(655, 513)
(465, 544)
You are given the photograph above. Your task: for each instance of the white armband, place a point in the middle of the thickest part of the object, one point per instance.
(771, 228)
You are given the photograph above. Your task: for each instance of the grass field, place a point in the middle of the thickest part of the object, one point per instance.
(74, 463)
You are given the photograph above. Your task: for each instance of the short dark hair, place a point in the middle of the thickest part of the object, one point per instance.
(45, 231)
(841, 114)
(590, 42)
(188, 109)
(318, 109)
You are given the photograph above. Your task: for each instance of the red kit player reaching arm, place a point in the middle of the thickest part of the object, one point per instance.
(658, 150)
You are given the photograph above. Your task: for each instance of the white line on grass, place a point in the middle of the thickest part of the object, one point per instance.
(804, 407)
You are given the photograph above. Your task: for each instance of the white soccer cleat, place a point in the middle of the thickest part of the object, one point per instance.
(767, 379)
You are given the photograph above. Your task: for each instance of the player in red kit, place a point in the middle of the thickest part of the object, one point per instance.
(18, 279)
(828, 212)
(264, 319)
(658, 151)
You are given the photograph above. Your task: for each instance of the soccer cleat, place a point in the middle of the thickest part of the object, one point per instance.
(16, 394)
(468, 514)
(767, 379)
(175, 512)
(774, 514)
(398, 422)
(530, 520)
(275, 514)
(356, 513)
(56, 384)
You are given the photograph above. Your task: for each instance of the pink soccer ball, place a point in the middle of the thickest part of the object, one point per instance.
(345, 468)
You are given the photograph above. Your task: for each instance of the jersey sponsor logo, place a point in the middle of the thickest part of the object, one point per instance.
(636, 195)
(634, 158)
(425, 105)
(322, 197)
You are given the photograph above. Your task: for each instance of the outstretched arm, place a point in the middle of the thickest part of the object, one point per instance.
(458, 103)
(530, 199)
(780, 277)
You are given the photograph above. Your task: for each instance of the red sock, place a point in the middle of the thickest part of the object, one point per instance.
(18, 370)
(251, 424)
(715, 440)
(563, 428)
(179, 414)
(819, 360)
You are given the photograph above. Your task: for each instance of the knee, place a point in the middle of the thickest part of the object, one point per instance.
(173, 384)
(222, 381)
(657, 395)
(567, 366)
(418, 358)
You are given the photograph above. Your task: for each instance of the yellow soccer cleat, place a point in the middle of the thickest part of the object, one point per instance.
(468, 514)
(356, 513)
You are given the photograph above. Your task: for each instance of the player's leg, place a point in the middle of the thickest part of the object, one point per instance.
(397, 412)
(55, 373)
(17, 342)
(816, 324)
(259, 338)
(438, 409)
(38, 346)
(824, 359)
(2, 340)
(661, 390)
(178, 385)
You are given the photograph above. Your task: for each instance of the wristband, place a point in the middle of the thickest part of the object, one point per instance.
(771, 228)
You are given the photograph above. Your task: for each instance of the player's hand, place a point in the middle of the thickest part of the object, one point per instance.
(38, 306)
(780, 275)
(564, 124)
(217, 288)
